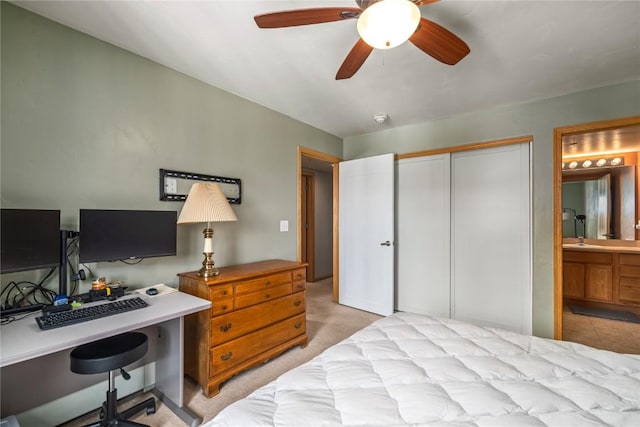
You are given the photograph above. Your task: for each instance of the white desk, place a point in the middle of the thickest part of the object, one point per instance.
(22, 340)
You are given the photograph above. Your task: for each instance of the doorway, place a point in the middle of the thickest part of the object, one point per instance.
(317, 200)
(606, 137)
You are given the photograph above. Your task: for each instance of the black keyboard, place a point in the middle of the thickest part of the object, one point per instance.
(84, 314)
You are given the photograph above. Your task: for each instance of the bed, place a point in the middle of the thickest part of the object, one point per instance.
(410, 369)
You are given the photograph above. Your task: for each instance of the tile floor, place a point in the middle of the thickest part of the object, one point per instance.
(621, 337)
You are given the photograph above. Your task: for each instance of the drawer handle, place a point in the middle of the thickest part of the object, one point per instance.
(299, 276)
(226, 356)
(223, 292)
(268, 282)
(225, 328)
(224, 308)
(297, 303)
(297, 325)
(267, 296)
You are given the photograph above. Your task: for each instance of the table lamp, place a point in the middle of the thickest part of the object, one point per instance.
(206, 203)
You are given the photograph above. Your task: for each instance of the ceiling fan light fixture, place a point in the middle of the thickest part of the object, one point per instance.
(388, 23)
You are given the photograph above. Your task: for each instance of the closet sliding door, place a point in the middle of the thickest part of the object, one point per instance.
(463, 236)
(490, 237)
(422, 235)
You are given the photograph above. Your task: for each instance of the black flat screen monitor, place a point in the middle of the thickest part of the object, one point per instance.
(30, 239)
(113, 235)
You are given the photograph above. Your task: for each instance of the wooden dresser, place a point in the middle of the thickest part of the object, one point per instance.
(257, 312)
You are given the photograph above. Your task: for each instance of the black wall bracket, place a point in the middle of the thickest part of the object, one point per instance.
(174, 185)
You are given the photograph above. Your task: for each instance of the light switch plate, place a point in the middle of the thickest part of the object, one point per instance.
(284, 225)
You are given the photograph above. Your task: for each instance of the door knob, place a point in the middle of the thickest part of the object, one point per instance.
(387, 243)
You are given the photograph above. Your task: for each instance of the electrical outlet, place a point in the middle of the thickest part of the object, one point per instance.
(171, 185)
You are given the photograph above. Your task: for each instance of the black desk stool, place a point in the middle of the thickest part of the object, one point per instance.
(108, 355)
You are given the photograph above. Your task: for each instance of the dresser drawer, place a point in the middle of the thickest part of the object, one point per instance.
(300, 275)
(219, 307)
(238, 323)
(630, 259)
(587, 257)
(266, 282)
(630, 270)
(220, 292)
(299, 286)
(228, 355)
(263, 296)
(630, 290)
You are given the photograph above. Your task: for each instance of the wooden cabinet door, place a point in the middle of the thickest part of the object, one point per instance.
(599, 282)
(573, 280)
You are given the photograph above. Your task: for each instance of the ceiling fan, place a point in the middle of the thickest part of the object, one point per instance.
(401, 20)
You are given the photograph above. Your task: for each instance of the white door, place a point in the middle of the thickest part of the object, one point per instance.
(490, 237)
(422, 235)
(366, 237)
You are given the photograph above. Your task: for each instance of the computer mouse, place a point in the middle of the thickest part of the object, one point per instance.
(152, 291)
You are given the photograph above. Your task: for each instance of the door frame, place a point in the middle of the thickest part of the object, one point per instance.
(335, 162)
(558, 134)
(307, 232)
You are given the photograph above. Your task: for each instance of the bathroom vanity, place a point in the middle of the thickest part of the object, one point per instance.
(605, 276)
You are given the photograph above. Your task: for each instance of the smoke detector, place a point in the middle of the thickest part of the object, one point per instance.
(380, 118)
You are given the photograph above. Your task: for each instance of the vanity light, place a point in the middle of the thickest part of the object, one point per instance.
(602, 162)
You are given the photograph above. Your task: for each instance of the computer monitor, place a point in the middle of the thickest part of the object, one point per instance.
(113, 235)
(30, 239)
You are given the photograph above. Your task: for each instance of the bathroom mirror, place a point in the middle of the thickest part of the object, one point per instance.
(600, 204)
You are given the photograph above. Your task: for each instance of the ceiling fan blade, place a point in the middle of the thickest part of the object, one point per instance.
(292, 18)
(354, 60)
(439, 42)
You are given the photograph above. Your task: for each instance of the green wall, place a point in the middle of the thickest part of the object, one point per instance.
(536, 118)
(88, 125)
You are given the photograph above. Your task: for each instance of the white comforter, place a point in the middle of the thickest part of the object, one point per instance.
(408, 369)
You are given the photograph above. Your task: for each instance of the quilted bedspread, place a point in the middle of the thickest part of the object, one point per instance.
(409, 369)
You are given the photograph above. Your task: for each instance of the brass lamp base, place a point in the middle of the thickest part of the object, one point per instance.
(208, 267)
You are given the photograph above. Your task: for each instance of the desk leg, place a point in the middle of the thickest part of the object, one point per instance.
(170, 370)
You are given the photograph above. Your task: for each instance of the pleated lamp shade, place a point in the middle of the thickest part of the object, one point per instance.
(206, 203)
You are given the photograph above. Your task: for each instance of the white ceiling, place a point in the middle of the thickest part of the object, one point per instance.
(520, 51)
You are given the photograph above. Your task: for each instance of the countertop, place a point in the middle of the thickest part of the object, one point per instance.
(601, 248)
